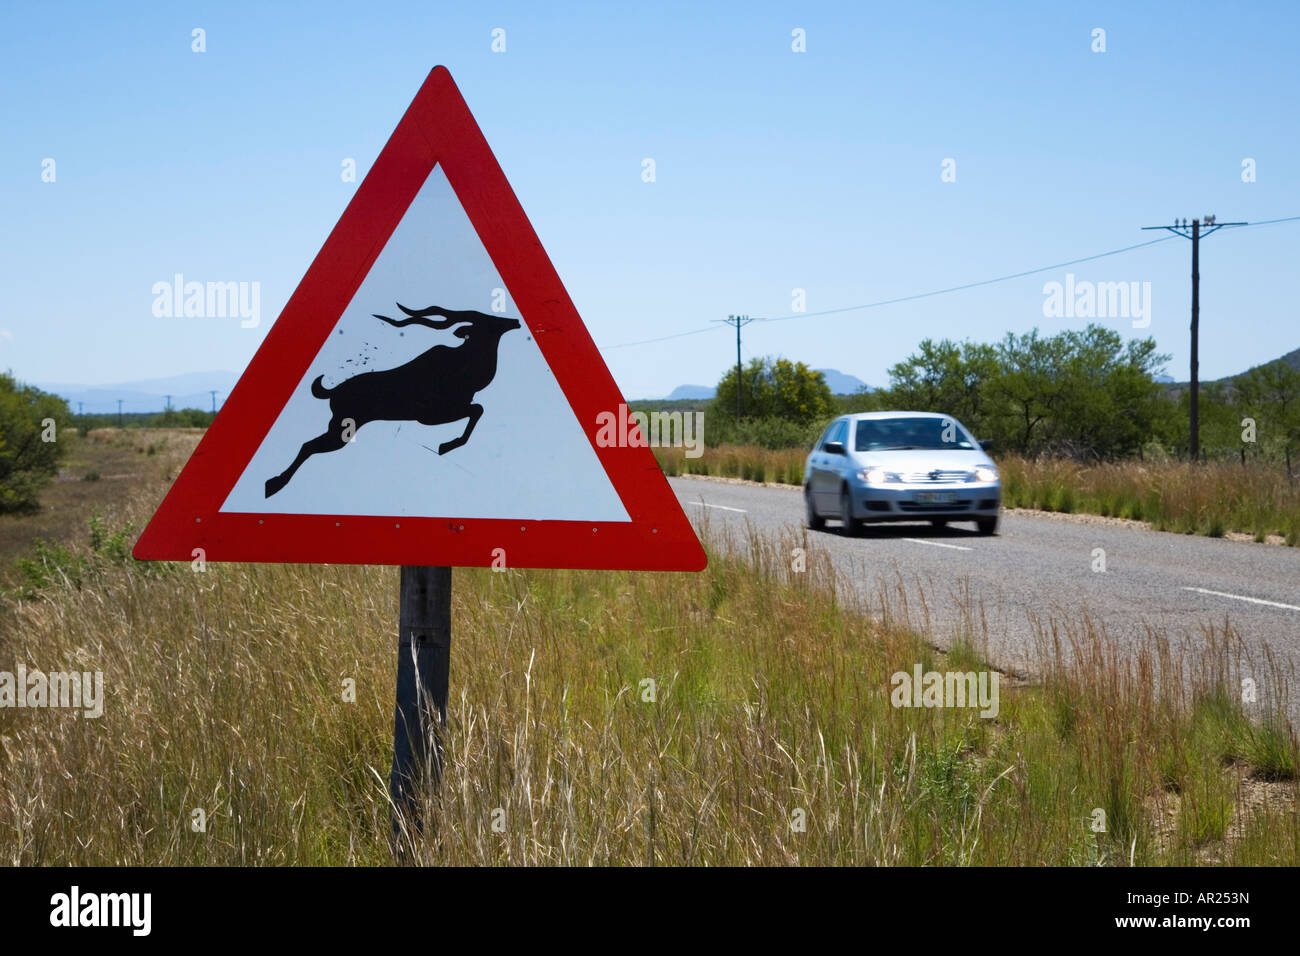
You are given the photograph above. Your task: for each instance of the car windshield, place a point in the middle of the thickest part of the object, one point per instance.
(897, 434)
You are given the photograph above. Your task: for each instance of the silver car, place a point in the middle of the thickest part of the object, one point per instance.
(901, 466)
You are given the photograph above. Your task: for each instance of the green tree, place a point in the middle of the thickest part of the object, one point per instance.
(1028, 390)
(1082, 393)
(181, 418)
(1220, 418)
(32, 423)
(863, 400)
(945, 377)
(1111, 399)
(775, 388)
(1270, 394)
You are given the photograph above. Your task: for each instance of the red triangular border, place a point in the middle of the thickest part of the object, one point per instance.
(437, 129)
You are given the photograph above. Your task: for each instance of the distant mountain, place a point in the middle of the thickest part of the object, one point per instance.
(1291, 358)
(192, 390)
(839, 382)
(684, 392)
(842, 383)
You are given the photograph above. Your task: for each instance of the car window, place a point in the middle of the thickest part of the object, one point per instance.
(885, 434)
(838, 432)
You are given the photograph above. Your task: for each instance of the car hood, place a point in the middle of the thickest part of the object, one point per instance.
(924, 460)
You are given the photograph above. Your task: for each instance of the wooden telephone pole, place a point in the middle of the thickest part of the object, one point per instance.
(1199, 228)
(739, 321)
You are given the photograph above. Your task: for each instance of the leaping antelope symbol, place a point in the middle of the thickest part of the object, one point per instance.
(434, 388)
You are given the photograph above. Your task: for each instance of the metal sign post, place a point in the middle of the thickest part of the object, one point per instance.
(420, 712)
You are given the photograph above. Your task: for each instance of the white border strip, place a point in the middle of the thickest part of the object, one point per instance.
(1242, 597)
(937, 544)
(705, 504)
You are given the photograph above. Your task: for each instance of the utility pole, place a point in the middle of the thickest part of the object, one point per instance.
(167, 406)
(214, 400)
(1194, 427)
(119, 413)
(739, 321)
(81, 408)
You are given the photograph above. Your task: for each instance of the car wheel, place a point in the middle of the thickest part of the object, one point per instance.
(814, 521)
(848, 523)
(987, 525)
(939, 522)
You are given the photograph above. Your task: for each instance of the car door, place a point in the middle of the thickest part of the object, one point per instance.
(812, 479)
(828, 466)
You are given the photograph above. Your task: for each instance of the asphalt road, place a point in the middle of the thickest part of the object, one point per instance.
(1043, 566)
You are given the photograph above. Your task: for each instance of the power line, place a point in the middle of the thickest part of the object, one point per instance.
(1016, 275)
(906, 298)
(926, 295)
(1266, 222)
(662, 338)
(968, 285)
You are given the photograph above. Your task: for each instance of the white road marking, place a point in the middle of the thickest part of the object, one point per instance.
(1242, 597)
(938, 544)
(705, 504)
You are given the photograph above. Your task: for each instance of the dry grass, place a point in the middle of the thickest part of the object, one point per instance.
(1211, 499)
(770, 738)
(98, 473)
(779, 466)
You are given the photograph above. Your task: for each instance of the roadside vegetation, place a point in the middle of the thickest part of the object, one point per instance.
(741, 715)
(1211, 499)
(782, 466)
(30, 421)
(97, 473)
(1083, 395)
(171, 418)
(1078, 423)
(767, 735)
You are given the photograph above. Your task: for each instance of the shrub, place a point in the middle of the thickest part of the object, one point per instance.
(30, 421)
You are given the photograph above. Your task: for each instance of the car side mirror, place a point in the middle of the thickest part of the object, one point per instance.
(834, 447)
(986, 444)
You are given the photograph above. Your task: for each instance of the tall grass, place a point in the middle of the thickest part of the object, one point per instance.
(749, 462)
(1210, 498)
(766, 737)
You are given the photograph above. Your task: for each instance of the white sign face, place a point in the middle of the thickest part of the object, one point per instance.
(443, 408)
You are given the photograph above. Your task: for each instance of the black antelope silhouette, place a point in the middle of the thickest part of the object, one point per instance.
(434, 388)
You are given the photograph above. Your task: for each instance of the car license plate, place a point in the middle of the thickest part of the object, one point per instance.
(935, 497)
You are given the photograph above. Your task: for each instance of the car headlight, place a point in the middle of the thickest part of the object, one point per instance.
(985, 474)
(877, 476)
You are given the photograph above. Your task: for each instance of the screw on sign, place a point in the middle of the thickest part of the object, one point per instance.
(348, 441)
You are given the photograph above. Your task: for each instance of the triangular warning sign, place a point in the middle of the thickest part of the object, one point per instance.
(428, 396)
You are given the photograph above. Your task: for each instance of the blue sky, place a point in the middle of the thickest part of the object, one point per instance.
(775, 170)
